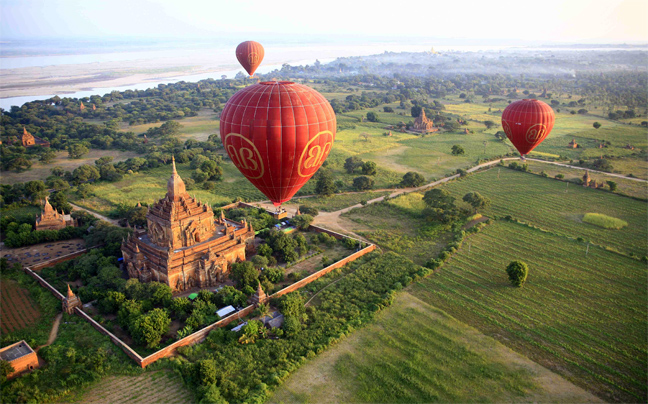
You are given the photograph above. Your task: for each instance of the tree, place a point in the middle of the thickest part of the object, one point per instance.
(372, 116)
(308, 210)
(476, 200)
(369, 168)
(439, 198)
(363, 183)
(352, 163)
(365, 136)
(612, 185)
(596, 125)
(250, 332)
(244, 274)
(103, 161)
(489, 124)
(59, 201)
(325, 186)
(517, 272)
(58, 171)
(415, 111)
(149, 328)
(264, 250)
(85, 173)
(5, 370)
(388, 109)
(47, 156)
(77, 150)
(212, 169)
(412, 179)
(500, 135)
(302, 222)
(457, 150)
(263, 310)
(259, 261)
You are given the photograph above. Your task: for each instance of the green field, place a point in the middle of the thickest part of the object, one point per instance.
(583, 316)
(413, 353)
(543, 202)
(399, 226)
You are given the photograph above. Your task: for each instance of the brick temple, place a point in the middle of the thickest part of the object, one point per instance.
(185, 246)
(423, 125)
(50, 219)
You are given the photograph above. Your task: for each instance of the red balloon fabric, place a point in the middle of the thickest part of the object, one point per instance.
(527, 123)
(278, 134)
(250, 54)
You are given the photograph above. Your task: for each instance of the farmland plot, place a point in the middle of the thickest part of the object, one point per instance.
(581, 316)
(18, 310)
(558, 207)
(153, 387)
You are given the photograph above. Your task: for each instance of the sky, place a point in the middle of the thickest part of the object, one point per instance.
(471, 21)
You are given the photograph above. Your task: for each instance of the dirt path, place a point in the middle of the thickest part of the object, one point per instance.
(95, 214)
(53, 332)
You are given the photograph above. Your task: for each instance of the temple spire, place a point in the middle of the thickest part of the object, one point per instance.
(69, 292)
(173, 162)
(175, 185)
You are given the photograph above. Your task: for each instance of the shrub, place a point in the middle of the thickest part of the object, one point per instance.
(517, 272)
(604, 221)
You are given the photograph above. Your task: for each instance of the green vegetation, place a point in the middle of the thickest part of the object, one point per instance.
(517, 272)
(549, 204)
(578, 314)
(340, 201)
(601, 220)
(223, 367)
(414, 352)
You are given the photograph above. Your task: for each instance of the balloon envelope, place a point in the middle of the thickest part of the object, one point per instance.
(527, 123)
(278, 134)
(250, 54)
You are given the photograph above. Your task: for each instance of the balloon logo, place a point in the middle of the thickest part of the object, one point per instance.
(278, 134)
(250, 55)
(527, 123)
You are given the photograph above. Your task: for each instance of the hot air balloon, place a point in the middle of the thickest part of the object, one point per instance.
(249, 54)
(278, 134)
(527, 123)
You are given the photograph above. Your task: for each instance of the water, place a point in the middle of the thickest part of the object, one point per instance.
(217, 59)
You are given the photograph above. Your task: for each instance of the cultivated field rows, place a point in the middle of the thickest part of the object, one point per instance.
(18, 310)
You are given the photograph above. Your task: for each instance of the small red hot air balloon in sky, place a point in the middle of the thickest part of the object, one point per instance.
(278, 134)
(527, 123)
(249, 54)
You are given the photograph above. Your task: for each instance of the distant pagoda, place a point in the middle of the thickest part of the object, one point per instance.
(51, 219)
(423, 125)
(185, 246)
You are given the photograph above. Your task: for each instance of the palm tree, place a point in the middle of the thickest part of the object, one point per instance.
(264, 310)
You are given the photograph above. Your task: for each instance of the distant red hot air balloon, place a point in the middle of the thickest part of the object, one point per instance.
(278, 134)
(527, 123)
(249, 54)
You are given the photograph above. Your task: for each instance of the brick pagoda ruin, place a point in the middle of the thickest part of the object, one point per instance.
(185, 246)
(50, 219)
(423, 125)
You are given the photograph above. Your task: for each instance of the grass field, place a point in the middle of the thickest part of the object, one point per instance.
(41, 171)
(399, 226)
(582, 316)
(414, 352)
(18, 310)
(150, 387)
(543, 202)
(624, 186)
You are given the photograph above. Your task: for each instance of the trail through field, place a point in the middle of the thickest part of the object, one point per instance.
(95, 214)
(53, 332)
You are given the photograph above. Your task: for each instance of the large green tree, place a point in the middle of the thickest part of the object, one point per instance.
(476, 200)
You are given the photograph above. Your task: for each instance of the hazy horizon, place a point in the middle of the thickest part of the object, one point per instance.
(461, 21)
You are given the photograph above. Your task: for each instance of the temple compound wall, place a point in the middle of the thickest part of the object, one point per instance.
(185, 246)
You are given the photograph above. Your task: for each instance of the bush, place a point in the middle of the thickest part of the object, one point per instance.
(412, 179)
(517, 272)
(363, 183)
(604, 221)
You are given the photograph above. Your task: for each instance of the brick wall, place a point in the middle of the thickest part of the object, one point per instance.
(23, 364)
(128, 350)
(196, 337)
(324, 271)
(44, 283)
(57, 260)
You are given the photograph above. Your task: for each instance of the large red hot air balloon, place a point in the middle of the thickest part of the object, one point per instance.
(249, 54)
(527, 123)
(278, 134)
